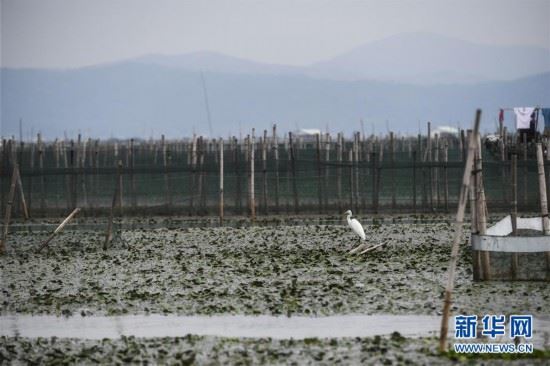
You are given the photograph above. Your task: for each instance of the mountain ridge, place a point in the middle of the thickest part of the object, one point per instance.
(128, 99)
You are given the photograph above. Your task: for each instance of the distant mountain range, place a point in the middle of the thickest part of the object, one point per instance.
(418, 58)
(386, 83)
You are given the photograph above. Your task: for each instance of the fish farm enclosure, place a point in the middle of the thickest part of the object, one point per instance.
(269, 175)
(221, 233)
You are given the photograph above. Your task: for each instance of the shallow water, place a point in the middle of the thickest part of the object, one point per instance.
(233, 326)
(278, 327)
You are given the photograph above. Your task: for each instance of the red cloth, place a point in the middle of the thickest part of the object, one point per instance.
(501, 116)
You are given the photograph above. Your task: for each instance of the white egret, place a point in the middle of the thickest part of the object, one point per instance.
(358, 229)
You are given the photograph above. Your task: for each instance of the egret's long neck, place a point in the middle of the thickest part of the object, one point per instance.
(349, 219)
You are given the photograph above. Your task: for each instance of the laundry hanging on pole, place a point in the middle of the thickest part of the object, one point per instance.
(523, 117)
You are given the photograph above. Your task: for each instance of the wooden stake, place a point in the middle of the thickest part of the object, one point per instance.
(457, 237)
(58, 229)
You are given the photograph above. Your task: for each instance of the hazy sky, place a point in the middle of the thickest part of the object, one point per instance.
(71, 33)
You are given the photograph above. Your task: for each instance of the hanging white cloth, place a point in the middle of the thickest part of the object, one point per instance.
(523, 116)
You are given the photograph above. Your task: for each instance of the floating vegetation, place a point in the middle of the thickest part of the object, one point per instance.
(283, 270)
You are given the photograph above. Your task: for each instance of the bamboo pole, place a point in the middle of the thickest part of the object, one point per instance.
(132, 178)
(547, 195)
(31, 170)
(264, 172)
(482, 210)
(546, 170)
(193, 173)
(525, 171)
(339, 154)
(109, 234)
(22, 196)
(41, 169)
(457, 237)
(436, 171)
(374, 162)
(392, 169)
(542, 191)
(374, 247)
(293, 168)
(379, 174)
(3, 157)
(514, 208)
(120, 188)
(472, 199)
(318, 163)
(462, 146)
(423, 158)
(503, 165)
(327, 167)
(446, 175)
(357, 185)
(9, 206)
(276, 157)
(430, 168)
(221, 181)
(514, 183)
(543, 202)
(414, 179)
(73, 177)
(351, 195)
(80, 176)
(58, 229)
(68, 192)
(252, 180)
(202, 191)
